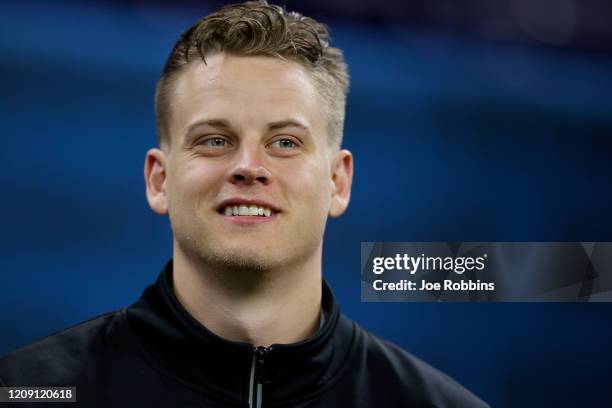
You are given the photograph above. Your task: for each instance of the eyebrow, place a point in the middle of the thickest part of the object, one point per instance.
(218, 123)
(224, 124)
(287, 123)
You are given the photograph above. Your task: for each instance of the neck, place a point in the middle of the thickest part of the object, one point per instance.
(257, 307)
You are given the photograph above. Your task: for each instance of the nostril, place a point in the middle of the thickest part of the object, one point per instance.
(248, 175)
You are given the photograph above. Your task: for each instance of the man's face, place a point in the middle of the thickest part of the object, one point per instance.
(248, 136)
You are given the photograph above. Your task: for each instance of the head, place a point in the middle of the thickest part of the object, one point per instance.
(250, 110)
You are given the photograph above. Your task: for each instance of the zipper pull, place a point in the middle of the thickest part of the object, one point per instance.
(261, 353)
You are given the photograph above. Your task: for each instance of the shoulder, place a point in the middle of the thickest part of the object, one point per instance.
(411, 376)
(61, 357)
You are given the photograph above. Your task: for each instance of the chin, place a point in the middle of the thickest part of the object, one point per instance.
(239, 259)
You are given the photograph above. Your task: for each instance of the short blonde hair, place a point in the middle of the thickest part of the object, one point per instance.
(257, 28)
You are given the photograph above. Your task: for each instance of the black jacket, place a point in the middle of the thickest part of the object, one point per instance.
(154, 354)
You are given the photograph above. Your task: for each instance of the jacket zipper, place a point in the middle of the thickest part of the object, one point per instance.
(258, 375)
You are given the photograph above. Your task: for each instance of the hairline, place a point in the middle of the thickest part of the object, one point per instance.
(166, 89)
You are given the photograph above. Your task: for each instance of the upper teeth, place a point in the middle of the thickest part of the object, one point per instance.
(247, 210)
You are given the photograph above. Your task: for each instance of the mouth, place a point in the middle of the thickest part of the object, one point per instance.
(247, 209)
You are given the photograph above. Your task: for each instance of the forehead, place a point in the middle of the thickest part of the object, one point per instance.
(245, 91)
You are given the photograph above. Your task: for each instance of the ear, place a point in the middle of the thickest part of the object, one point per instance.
(342, 179)
(155, 180)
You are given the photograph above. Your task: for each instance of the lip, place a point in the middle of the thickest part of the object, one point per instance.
(246, 201)
(247, 220)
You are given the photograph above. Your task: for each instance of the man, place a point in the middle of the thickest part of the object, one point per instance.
(250, 110)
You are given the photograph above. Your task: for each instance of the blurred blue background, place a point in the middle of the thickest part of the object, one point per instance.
(469, 121)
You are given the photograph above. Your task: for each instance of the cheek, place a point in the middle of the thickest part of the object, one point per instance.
(191, 184)
(311, 188)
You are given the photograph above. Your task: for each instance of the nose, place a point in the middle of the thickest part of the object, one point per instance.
(249, 168)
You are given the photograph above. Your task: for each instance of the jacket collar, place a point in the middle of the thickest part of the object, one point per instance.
(222, 368)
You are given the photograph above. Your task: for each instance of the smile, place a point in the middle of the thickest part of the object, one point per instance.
(248, 210)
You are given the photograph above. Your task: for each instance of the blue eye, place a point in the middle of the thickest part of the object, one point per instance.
(284, 143)
(215, 142)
